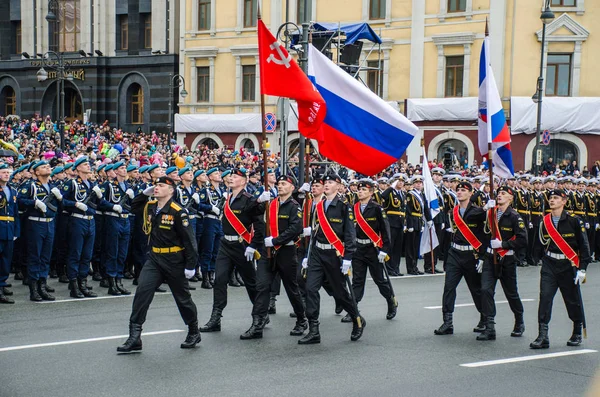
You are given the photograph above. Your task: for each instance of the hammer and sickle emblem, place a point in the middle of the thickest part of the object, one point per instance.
(282, 59)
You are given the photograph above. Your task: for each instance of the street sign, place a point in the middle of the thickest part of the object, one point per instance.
(546, 138)
(538, 160)
(270, 122)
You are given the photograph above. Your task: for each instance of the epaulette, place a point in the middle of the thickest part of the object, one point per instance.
(245, 193)
(152, 201)
(176, 207)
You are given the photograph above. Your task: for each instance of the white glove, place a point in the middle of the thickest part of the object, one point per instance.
(56, 192)
(81, 206)
(381, 256)
(587, 225)
(304, 263)
(117, 208)
(149, 191)
(249, 254)
(443, 225)
(305, 188)
(449, 230)
(490, 204)
(196, 198)
(14, 238)
(216, 210)
(405, 229)
(268, 241)
(306, 232)
(479, 266)
(597, 226)
(346, 265)
(531, 225)
(495, 243)
(411, 229)
(98, 191)
(580, 277)
(264, 197)
(40, 205)
(130, 193)
(430, 223)
(189, 273)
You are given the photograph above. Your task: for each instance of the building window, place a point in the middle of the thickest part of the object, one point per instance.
(457, 5)
(124, 32)
(204, 14)
(373, 76)
(564, 3)
(10, 101)
(250, 13)
(203, 79)
(69, 17)
(558, 75)
(455, 66)
(147, 20)
(377, 9)
(137, 104)
(248, 83)
(18, 38)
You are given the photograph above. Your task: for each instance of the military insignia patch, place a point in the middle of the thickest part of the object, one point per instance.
(23, 190)
(299, 214)
(521, 224)
(185, 223)
(351, 216)
(202, 196)
(65, 188)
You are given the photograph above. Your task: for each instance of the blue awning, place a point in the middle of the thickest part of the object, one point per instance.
(353, 32)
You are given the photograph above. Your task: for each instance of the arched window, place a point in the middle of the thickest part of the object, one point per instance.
(294, 147)
(248, 145)
(560, 150)
(136, 101)
(456, 147)
(10, 100)
(210, 143)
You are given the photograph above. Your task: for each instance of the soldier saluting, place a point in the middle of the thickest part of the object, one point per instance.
(565, 252)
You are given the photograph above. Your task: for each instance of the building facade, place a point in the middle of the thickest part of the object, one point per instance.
(119, 56)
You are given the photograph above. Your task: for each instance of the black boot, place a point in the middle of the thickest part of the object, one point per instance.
(519, 326)
(104, 283)
(134, 342)
(45, 286)
(97, 277)
(346, 319)
(214, 324)
(481, 324)
(206, 281)
(83, 287)
(127, 275)
(301, 325)
(112, 287)
(357, 329)
(272, 306)
(256, 329)
(490, 331)
(392, 308)
(4, 298)
(19, 276)
(41, 284)
(211, 278)
(193, 337)
(233, 281)
(575, 339)
(338, 307)
(542, 341)
(161, 289)
(63, 279)
(74, 290)
(119, 285)
(6, 291)
(313, 335)
(447, 328)
(34, 294)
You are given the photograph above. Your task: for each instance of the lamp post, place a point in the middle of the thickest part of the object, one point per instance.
(175, 81)
(546, 17)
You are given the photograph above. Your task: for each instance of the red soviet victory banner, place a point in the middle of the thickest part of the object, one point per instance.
(281, 76)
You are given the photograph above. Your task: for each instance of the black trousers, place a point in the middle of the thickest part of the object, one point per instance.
(508, 280)
(447, 240)
(412, 241)
(230, 256)
(276, 283)
(285, 266)
(461, 264)
(151, 277)
(396, 237)
(439, 232)
(365, 258)
(532, 236)
(551, 280)
(324, 265)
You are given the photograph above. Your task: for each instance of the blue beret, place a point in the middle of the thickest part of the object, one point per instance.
(30, 165)
(152, 167)
(109, 167)
(143, 169)
(225, 173)
(100, 167)
(57, 170)
(214, 169)
(183, 170)
(170, 169)
(39, 164)
(23, 168)
(79, 162)
(198, 173)
(118, 164)
(4, 166)
(131, 168)
(67, 166)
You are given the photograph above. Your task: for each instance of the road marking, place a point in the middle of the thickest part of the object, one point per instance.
(472, 304)
(97, 298)
(527, 358)
(76, 341)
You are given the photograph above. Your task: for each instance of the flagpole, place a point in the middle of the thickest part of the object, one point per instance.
(490, 151)
(264, 149)
(426, 164)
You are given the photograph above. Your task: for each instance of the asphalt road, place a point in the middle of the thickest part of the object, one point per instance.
(68, 348)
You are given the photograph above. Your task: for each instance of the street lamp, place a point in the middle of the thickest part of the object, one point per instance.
(546, 17)
(175, 81)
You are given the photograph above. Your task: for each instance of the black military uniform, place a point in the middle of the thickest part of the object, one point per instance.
(462, 262)
(591, 218)
(450, 201)
(394, 203)
(416, 213)
(521, 205)
(536, 206)
(513, 235)
(172, 249)
(558, 272)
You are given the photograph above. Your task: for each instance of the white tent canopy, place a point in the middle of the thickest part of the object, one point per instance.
(448, 109)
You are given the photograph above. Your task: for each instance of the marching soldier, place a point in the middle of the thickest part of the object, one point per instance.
(465, 257)
(58, 264)
(172, 257)
(213, 230)
(9, 230)
(333, 245)
(187, 196)
(565, 252)
(450, 201)
(395, 207)
(536, 205)
(521, 205)
(373, 243)
(508, 236)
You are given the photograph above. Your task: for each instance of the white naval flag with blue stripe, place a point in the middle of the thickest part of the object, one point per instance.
(428, 244)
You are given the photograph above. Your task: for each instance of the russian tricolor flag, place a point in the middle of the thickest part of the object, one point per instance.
(360, 131)
(492, 128)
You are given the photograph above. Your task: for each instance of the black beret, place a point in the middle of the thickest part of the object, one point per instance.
(506, 189)
(287, 178)
(557, 192)
(166, 180)
(464, 185)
